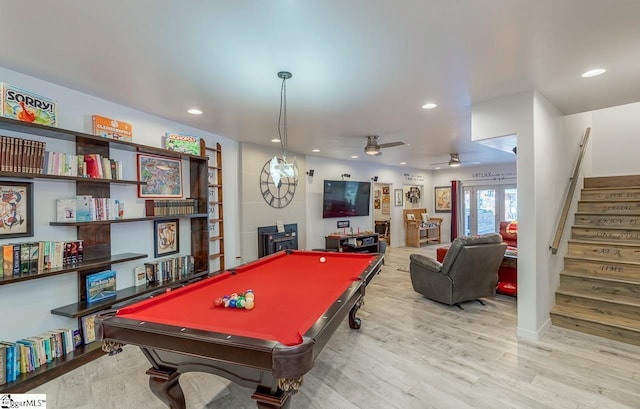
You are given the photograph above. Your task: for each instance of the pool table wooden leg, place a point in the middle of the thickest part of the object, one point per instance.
(355, 322)
(266, 400)
(164, 384)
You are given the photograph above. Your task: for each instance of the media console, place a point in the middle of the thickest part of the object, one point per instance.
(353, 243)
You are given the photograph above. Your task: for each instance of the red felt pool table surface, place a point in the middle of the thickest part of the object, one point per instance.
(291, 292)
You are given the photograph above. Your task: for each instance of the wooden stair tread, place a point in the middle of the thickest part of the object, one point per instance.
(614, 299)
(581, 313)
(613, 200)
(592, 277)
(584, 226)
(603, 243)
(608, 214)
(602, 260)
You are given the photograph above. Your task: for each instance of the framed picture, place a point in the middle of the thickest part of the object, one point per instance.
(397, 197)
(16, 209)
(162, 177)
(443, 199)
(166, 237)
(385, 190)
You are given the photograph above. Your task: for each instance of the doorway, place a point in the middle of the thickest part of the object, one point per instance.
(382, 210)
(485, 206)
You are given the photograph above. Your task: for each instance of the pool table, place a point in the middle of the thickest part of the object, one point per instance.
(299, 302)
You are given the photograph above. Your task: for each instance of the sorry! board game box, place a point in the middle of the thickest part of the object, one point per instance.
(28, 106)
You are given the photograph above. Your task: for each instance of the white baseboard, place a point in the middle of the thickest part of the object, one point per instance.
(533, 336)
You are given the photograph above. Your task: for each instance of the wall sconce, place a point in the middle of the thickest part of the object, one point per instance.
(345, 175)
(375, 178)
(310, 172)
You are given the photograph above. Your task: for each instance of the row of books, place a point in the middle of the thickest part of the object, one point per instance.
(87, 208)
(88, 165)
(28, 354)
(21, 155)
(163, 270)
(170, 207)
(38, 256)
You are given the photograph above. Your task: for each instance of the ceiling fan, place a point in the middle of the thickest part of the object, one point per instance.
(454, 161)
(373, 147)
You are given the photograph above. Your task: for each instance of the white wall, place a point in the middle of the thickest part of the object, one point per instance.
(255, 212)
(615, 140)
(330, 169)
(27, 304)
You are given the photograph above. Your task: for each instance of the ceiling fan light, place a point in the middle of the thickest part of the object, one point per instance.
(454, 162)
(372, 150)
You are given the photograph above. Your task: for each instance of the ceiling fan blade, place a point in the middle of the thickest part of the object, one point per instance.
(390, 144)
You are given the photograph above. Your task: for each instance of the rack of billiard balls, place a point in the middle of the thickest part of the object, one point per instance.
(244, 300)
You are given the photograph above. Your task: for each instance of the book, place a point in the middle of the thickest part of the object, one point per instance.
(7, 260)
(140, 275)
(10, 361)
(111, 128)
(101, 285)
(66, 210)
(3, 364)
(77, 338)
(182, 143)
(88, 328)
(151, 271)
(83, 208)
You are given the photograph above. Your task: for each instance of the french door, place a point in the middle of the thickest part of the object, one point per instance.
(486, 206)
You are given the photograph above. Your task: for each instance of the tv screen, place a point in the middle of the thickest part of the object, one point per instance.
(343, 198)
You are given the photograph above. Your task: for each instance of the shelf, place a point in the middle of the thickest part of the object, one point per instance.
(73, 136)
(216, 238)
(77, 310)
(212, 221)
(86, 265)
(53, 369)
(130, 220)
(216, 256)
(214, 167)
(25, 175)
(362, 246)
(215, 185)
(215, 203)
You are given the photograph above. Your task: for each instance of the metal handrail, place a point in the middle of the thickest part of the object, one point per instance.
(569, 198)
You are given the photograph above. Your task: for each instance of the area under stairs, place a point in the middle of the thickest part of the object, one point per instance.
(599, 289)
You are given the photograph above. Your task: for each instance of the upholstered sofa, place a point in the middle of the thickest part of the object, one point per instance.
(469, 270)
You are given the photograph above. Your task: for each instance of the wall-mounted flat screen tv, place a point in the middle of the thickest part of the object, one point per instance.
(342, 198)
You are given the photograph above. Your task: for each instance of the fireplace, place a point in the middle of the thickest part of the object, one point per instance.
(271, 241)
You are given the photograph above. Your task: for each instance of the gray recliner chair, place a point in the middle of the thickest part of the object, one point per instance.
(469, 270)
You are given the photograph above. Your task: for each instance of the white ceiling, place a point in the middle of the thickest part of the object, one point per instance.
(359, 67)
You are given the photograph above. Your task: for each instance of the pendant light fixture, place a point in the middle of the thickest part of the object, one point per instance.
(454, 162)
(280, 168)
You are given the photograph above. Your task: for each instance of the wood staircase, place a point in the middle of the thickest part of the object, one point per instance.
(599, 289)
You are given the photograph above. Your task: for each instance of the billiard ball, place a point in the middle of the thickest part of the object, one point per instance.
(322, 259)
(249, 304)
(218, 302)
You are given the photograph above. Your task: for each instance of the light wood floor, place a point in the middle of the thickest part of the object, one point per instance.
(409, 353)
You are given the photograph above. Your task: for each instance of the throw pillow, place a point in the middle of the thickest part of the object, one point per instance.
(425, 217)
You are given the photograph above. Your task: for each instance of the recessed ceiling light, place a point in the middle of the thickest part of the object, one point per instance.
(354, 156)
(315, 150)
(594, 73)
(429, 106)
(195, 111)
(403, 163)
(275, 140)
(438, 167)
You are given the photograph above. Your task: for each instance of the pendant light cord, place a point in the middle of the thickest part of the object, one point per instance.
(282, 118)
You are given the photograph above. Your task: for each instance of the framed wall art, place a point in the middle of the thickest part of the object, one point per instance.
(16, 209)
(397, 197)
(161, 177)
(166, 237)
(443, 199)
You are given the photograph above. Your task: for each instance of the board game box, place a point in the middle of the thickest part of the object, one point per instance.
(28, 106)
(182, 143)
(112, 129)
(101, 285)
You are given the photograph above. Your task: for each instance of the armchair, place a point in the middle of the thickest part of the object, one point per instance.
(469, 270)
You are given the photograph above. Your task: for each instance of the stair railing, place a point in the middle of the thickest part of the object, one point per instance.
(569, 198)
